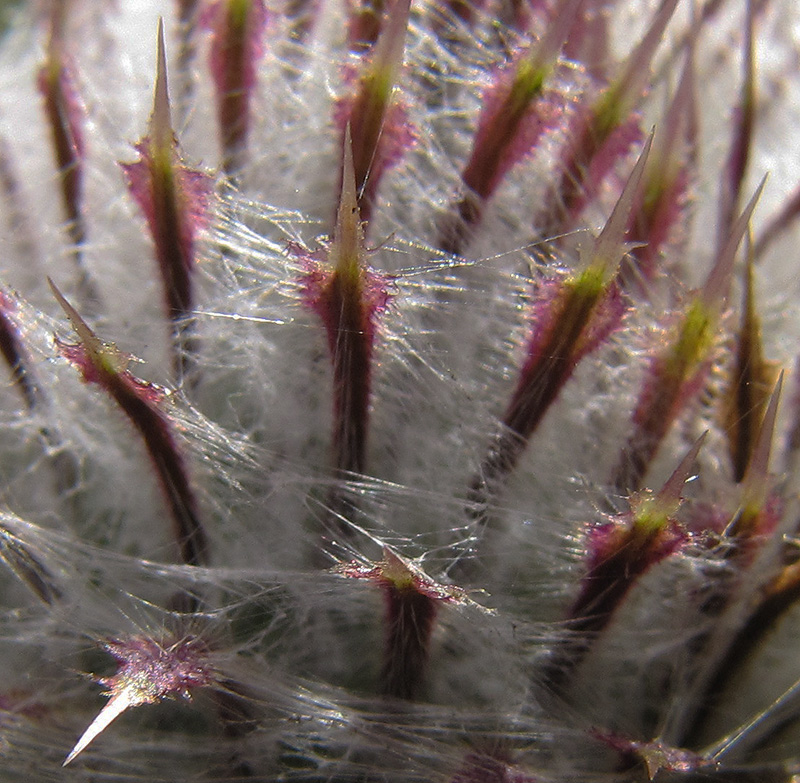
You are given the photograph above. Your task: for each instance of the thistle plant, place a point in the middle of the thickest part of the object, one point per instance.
(399, 391)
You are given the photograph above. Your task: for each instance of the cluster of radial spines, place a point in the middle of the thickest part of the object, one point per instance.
(654, 757)
(676, 376)
(149, 670)
(627, 547)
(412, 601)
(620, 550)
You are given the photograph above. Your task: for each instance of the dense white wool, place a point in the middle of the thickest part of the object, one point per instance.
(299, 647)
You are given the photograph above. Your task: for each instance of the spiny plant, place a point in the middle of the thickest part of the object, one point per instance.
(385, 392)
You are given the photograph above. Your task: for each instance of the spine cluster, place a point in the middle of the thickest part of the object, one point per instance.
(397, 407)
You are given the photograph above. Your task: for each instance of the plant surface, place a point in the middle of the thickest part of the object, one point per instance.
(385, 395)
